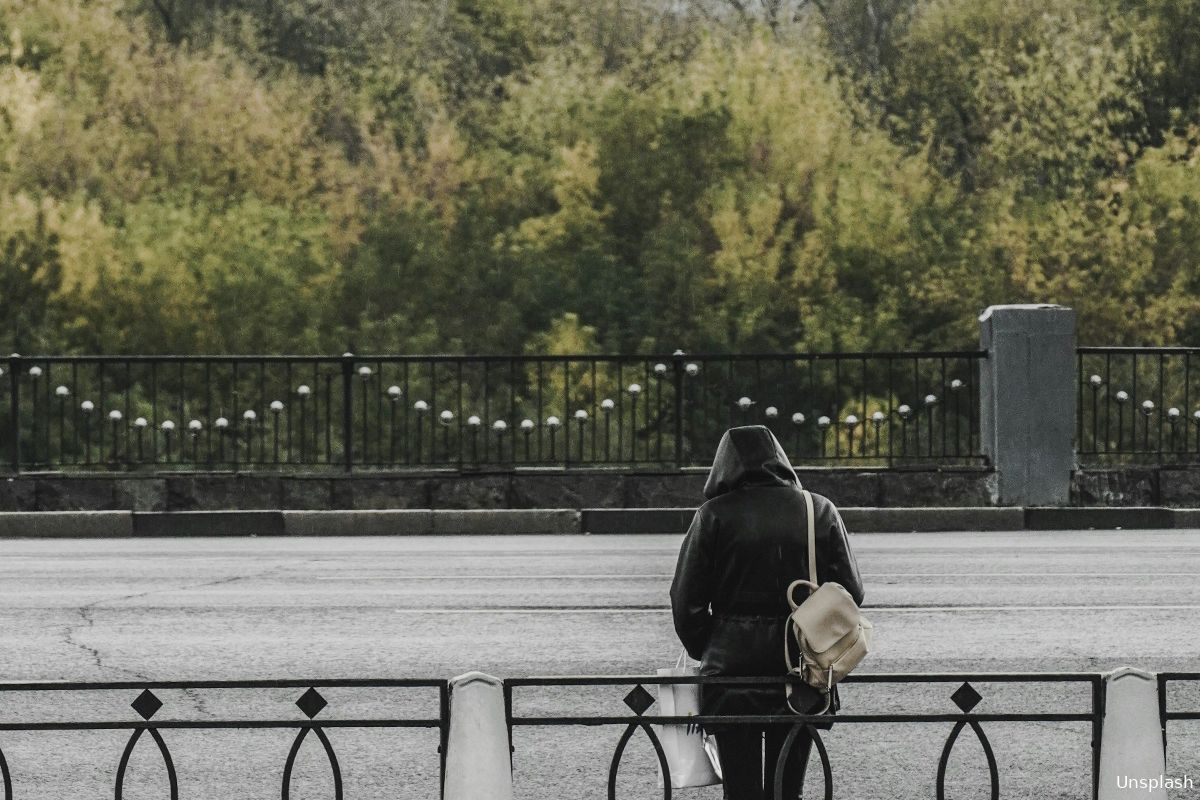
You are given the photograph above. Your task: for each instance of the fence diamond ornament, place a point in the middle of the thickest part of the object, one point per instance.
(311, 703)
(639, 700)
(966, 698)
(147, 704)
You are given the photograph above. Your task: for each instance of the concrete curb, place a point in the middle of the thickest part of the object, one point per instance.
(560, 521)
(66, 525)
(207, 523)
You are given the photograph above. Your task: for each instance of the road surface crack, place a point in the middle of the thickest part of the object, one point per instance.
(73, 635)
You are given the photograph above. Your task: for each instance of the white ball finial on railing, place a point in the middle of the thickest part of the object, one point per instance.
(527, 425)
(221, 423)
(607, 404)
(195, 426)
(499, 426)
(303, 390)
(553, 422)
(581, 415)
(168, 425)
(447, 416)
(771, 412)
(798, 418)
(744, 403)
(276, 406)
(62, 391)
(87, 406)
(421, 406)
(474, 421)
(394, 392)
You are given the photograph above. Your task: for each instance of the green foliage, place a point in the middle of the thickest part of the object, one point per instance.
(618, 176)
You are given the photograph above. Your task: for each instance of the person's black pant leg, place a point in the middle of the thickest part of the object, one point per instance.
(740, 752)
(797, 762)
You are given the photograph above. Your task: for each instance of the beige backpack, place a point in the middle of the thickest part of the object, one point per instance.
(829, 628)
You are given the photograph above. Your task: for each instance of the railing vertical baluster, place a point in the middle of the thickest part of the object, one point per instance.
(435, 414)
(1161, 405)
(101, 411)
(566, 407)
(287, 410)
(487, 409)
(348, 411)
(677, 379)
(1079, 401)
(408, 407)
(1187, 396)
(459, 364)
(14, 409)
(620, 413)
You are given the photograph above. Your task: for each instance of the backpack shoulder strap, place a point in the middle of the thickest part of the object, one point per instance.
(812, 537)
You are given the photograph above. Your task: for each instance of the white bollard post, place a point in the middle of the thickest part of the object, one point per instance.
(478, 765)
(1132, 761)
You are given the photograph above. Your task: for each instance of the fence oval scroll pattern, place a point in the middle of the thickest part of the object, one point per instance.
(311, 703)
(146, 704)
(620, 751)
(966, 698)
(788, 743)
(6, 777)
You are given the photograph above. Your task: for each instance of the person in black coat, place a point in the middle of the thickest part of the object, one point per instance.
(728, 599)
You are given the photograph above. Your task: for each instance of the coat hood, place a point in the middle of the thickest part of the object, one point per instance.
(749, 456)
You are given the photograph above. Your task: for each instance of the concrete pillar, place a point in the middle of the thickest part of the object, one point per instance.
(1027, 396)
(477, 753)
(1132, 760)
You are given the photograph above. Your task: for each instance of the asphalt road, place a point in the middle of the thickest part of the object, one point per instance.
(435, 607)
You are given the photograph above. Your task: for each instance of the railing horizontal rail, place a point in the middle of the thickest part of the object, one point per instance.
(349, 683)
(870, 677)
(795, 719)
(203, 724)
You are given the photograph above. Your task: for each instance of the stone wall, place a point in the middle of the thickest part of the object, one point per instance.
(1176, 487)
(534, 489)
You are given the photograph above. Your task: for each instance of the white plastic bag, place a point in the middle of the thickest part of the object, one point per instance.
(690, 754)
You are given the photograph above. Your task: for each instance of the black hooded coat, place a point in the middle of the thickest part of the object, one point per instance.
(744, 546)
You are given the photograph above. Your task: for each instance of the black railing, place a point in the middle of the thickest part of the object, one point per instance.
(1139, 404)
(1166, 712)
(147, 704)
(966, 697)
(457, 412)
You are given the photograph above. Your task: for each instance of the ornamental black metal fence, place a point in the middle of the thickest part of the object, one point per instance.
(495, 412)
(146, 704)
(1139, 404)
(966, 697)
(1168, 712)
